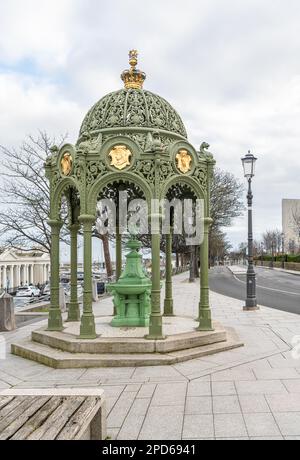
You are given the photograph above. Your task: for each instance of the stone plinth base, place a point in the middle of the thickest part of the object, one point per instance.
(125, 346)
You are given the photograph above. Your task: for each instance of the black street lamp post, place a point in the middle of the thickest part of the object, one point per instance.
(249, 171)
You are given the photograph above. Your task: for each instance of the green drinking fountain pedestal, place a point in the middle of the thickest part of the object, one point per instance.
(131, 293)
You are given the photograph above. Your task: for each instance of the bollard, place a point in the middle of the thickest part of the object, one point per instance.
(7, 313)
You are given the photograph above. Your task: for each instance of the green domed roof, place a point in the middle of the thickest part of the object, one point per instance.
(129, 108)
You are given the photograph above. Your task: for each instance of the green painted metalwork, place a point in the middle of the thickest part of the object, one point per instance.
(87, 327)
(55, 318)
(153, 132)
(131, 292)
(73, 305)
(205, 321)
(118, 254)
(168, 304)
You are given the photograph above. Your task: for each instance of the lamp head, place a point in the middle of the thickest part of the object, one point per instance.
(249, 161)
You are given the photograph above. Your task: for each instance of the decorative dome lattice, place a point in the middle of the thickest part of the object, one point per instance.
(133, 107)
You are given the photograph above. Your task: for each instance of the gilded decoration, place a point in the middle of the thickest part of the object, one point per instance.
(133, 78)
(120, 156)
(184, 161)
(66, 164)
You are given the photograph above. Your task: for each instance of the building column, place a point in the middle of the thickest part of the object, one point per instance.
(73, 306)
(31, 274)
(9, 278)
(5, 276)
(46, 273)
(55, 318)
(168, 304)
(155, 326)
(18, 276)
(205, 321)
(87, 328)
(23, 274)
(26, 274)
(12, 276)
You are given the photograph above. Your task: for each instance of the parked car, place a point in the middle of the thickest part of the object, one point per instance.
(36, 290)
(25, 291)
(79, 290)
(46, 290)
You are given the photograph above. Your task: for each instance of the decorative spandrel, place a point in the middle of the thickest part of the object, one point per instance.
(184, 161)
(66, 164)
(120, 157)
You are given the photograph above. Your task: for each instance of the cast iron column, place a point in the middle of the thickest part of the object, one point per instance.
(55, 318)
(205, 321)
(155, 326)
(73, 306)
(87, 328)
(118, 253)
(168, 305)
(251, 302)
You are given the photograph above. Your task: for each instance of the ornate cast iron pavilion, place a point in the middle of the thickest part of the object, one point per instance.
(131, 140)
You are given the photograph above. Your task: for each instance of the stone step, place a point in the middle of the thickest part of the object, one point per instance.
(126, 345)
(64, 360)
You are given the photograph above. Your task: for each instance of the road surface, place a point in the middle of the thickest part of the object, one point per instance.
(275, 289)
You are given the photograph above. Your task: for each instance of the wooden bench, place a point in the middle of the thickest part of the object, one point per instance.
(54, 414)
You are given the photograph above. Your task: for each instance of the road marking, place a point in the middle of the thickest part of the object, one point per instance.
(268, 288)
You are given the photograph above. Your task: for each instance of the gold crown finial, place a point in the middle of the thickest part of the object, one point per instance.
(133, 78)
(133, 58)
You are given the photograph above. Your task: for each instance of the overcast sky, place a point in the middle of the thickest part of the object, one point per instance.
(231, 68)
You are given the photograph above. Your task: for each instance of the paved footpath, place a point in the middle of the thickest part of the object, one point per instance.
(249, 393)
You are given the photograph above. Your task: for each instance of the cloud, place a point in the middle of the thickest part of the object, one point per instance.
(229, 68)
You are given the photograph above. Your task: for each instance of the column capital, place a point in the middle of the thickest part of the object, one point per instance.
(87, 219)
(74, 227)
(55, 223)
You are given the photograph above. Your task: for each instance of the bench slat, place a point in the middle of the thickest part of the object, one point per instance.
(24, 403)
(81, 419)
(15, 402)
(4, 400)
(57, 420)
(22, 418)
(38, 419)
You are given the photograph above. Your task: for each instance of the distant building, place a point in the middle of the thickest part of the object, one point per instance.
(23, 267)
(291, 225)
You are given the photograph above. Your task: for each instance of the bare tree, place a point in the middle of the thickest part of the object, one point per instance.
(226, 204)
(226, 198)
(272, 240)
(26, 196)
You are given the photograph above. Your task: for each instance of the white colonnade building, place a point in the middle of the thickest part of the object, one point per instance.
(18, 268)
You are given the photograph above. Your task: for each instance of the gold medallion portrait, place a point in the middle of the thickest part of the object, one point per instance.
(66, 164)
(184, 161)
(120, 156)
